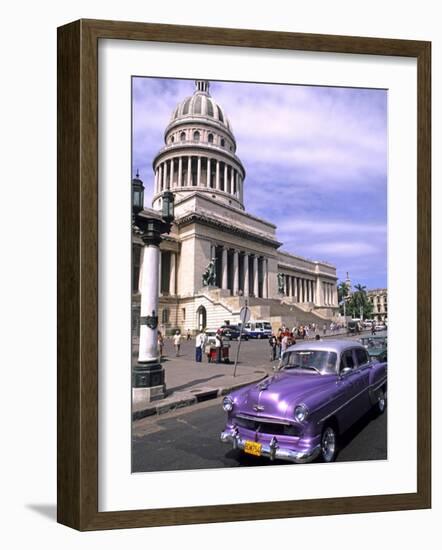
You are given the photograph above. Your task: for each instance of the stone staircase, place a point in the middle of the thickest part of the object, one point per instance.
(275, 310)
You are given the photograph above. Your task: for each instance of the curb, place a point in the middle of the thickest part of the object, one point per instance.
(189, 399)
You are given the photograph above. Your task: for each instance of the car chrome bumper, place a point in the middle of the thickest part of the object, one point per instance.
(273, 450)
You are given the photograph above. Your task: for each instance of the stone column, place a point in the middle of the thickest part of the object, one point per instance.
(208, 173)
(189, 169)
(232, 180)
(148, 350)
(172, 274)
(160, 178)
(180, 172)
(224, 268)
(295, 288)
(165, 175)
(235, 272)
(160, 267)
(318, 292)
(198, 177)
(218, 183)
(225, 178)
(140, 274)
(241, 189)
(246, 275)
(265, 279)
(255, 276)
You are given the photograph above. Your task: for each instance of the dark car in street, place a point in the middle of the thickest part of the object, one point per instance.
(232, 332)
(376, 346)
(300, 413)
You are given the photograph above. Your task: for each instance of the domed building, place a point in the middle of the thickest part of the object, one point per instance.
(199, 165)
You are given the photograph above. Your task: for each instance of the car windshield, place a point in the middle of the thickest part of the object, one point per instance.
(323, 362)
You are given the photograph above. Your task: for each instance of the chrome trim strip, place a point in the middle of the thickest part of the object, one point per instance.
(266, 419)
(368, 388)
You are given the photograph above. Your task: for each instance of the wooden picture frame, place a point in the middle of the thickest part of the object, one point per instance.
(78, 274)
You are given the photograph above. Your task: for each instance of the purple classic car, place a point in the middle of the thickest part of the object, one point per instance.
(321, 389)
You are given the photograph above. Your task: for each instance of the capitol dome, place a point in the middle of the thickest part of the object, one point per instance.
(201, 104)
(199, 154)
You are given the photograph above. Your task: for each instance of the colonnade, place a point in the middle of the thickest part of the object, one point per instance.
(301, 289)
(241, 272)
(198, 171)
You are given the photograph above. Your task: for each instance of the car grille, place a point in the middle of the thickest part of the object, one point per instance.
(268, 427)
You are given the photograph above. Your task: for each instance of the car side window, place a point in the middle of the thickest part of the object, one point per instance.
(361, 356)
(347, 360)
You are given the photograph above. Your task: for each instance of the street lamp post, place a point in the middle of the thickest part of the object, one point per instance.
(148, 379)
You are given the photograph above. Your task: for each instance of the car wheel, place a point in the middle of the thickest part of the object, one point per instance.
(329, 444)
(381, 401)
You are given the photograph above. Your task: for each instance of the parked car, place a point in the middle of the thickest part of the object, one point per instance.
(258, 329)
(232, 332)
(354, 326)
(299, 413)
(380, 326)
(376, 346)
(210, 336)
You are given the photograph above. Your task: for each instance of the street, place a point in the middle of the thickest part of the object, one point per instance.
(188, 438)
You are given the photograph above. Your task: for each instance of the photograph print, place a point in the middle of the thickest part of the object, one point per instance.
(259, 274)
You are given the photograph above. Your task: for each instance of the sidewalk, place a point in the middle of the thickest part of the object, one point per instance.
(188, 382)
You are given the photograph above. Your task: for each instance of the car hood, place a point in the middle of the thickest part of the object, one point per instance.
(278, 395)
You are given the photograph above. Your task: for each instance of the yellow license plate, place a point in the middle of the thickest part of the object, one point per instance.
(252, 448)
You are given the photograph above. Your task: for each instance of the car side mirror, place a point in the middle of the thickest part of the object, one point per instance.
(344, 372)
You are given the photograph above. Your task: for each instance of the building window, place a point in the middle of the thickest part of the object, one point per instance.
(210, 138)
(165, 316)
(172, 139)
(220, 115)
(183, 136)
(196, 136)
(223, 142)
(183, 313)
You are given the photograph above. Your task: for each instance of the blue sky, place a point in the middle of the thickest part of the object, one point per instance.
(315, 160)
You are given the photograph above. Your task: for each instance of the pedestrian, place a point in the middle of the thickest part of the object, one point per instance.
(273, 345)
(324, 329)
(284, 344)
(373, 328)
(189, 336)
(306, 331)
(301, 332)
(218, 345)
(200, 341)
(160, 341)
(318, 337)
(177, 342)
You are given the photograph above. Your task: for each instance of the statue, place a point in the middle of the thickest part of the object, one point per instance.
(209, 275)
(280, 283)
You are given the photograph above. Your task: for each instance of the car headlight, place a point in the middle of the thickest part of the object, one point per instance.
(227, 404)
(301, 413)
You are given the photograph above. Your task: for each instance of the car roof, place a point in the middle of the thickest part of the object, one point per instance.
(335, 345)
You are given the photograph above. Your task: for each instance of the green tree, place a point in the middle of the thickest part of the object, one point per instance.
(359, 303)
(343, 292)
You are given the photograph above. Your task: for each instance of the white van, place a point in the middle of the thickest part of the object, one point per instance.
(258, 329)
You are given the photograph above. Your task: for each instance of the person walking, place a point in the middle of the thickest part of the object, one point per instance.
(273, 345)
(177, 342)
(200, 341)
(160, 341)
(218, 345)
(189, 336)
(284, 344)
(324, 329)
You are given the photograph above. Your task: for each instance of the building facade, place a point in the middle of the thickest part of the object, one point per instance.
(379, 298)
(198, 163)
